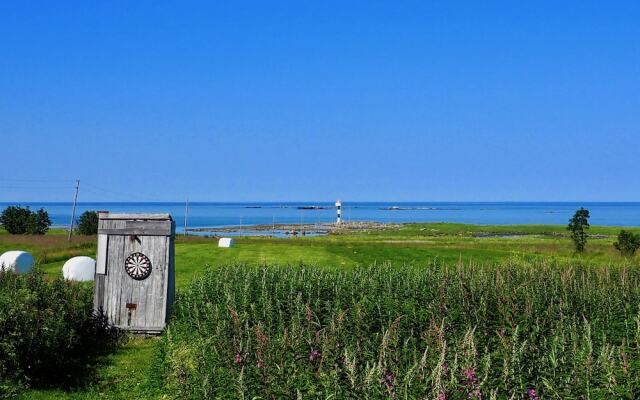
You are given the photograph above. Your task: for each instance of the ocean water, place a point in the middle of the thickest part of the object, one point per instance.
(246, 214)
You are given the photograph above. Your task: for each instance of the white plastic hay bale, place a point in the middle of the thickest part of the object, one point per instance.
(80, 269)
(16, 260)
(226, 242)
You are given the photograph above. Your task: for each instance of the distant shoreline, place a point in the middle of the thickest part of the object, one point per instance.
(323, 228)
(218, 215)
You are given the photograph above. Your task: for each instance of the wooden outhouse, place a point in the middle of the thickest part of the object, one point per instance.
(135, 278)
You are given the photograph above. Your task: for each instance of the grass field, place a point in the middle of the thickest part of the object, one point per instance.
(123, 375)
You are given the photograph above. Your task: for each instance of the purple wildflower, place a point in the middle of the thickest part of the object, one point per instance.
(531, 395)
(442, 396)
(387, 379)
(239, 358)
(470, 374)
(314, 355)
(259, 361)
(472, 383)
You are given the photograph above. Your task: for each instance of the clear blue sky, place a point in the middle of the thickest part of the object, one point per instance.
(318, 100)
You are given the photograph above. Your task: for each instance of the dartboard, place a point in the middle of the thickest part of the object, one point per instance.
(138, 266)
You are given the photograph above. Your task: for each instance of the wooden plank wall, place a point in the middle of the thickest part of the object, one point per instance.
(153, 296)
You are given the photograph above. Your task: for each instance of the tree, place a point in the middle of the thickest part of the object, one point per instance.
(15, 219)
(40, 222)
(627, 243)
(88, 223)
(20, 220)
(578, 226)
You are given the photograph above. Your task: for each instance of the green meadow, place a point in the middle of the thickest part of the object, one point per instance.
(129, 373)
(408, 244)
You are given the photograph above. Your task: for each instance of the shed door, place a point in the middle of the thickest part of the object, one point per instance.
(143, 293)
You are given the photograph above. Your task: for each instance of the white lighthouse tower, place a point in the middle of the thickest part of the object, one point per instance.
(339, 211)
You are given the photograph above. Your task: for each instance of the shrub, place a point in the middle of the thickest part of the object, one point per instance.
(464, 331)
(88, 223)
(49, 334)
(20, 220)
(15, 219)
(578, 226)
(39, 222)
(627, 243)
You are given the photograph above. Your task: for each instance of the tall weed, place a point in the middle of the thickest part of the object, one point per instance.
(447, 332)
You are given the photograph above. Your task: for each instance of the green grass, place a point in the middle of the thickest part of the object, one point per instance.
(415, 244)
(411, 243)
(123, 375)
(50, 248)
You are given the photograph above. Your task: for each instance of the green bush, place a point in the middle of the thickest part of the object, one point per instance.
(628, 243)
(49, 334)
(20, 220)
(15, 219)
(454, 332)
(39, 222)
(578, 226)
(88, 223)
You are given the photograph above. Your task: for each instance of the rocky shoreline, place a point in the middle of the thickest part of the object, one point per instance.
(294, 229)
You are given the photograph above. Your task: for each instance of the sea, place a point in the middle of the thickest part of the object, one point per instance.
(247, 214)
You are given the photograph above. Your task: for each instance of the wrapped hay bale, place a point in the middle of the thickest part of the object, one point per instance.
(81, 269)
(226, 242)
(16, 260)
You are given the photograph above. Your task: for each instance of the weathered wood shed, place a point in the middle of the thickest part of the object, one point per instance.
(135, 278)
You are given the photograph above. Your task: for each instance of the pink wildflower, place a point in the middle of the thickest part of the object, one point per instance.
(314, 355)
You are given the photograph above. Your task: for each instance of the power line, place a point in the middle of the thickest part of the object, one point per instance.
(39, 185)
(35, 184)
(119, 194)
(35, 180)
(34, 187)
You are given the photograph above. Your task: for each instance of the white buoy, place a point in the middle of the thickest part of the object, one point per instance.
(16, 260)
(81, 269)
(226, 242)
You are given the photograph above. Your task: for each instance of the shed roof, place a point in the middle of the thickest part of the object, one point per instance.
(141, 216)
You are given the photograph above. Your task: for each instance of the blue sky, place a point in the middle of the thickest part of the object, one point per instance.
(235, 101)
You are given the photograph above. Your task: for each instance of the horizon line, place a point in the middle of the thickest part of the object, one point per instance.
(313, 201)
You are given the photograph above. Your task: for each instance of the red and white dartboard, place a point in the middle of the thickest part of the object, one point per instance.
(138, 266)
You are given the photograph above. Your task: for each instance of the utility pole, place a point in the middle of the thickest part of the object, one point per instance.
(186, 215)
(73, 210)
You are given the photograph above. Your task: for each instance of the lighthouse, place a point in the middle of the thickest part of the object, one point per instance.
(339, 211)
